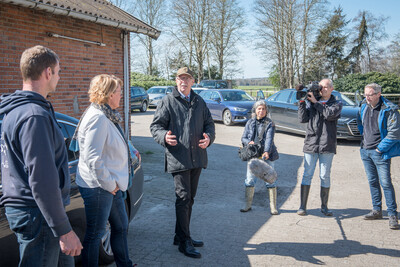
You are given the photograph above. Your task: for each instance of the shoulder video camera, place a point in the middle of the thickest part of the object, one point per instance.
(313, 88)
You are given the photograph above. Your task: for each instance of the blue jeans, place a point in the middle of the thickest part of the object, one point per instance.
(65, 260)
(378, 174)
(251, 179)
(325, 164)
(101, 206)
(37, 244)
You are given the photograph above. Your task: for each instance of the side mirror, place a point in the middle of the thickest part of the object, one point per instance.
(358, 98)
(216, 99)
(260, 95)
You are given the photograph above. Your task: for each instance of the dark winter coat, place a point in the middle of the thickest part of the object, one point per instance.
(321, 130)
(34, 161)
(267, 136)
(389, 127)
(187, 121)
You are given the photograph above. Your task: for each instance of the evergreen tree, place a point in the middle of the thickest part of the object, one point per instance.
(360, 44)
(327, 54)
(367, 53)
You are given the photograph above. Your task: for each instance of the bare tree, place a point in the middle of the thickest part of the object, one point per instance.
(286, 28)
(225, 32)
(311, 18)
(151, 12)
(278, 30)
(391, 61)
(123, 4)
(192, 30)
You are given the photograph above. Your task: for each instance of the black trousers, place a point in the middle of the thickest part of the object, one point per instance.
(185, 190)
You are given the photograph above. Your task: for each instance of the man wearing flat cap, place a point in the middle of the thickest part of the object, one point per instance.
(183, 125)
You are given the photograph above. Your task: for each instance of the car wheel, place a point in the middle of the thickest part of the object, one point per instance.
(106, 255)
(144, 107)
(227, 117)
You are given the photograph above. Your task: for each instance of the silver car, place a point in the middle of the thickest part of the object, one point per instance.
(156, 93)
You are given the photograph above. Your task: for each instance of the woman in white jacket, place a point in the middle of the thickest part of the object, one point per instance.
(103, 171)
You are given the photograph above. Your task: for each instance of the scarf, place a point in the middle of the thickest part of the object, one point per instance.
(115, 117)
(112, 114)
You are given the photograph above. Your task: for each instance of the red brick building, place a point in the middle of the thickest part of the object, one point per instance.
(90, 37)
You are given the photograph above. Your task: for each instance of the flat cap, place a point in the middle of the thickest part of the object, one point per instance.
(185, 70)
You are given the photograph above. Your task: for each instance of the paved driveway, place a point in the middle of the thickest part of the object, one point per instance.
(256, 238)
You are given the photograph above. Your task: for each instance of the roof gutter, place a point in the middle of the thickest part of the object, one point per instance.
(153, 33)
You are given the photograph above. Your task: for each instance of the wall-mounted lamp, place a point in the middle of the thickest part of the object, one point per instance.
(50, 34)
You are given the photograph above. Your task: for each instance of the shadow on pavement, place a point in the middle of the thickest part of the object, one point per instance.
(233, 238)
(307, 252)
(216, 218)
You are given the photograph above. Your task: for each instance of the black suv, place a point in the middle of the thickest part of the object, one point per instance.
(139, 98)
(9, 254)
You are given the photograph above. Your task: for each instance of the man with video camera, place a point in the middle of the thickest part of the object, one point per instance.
(321, 111)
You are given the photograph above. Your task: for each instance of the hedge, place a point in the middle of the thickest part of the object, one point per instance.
(147, 81)
(390, 82)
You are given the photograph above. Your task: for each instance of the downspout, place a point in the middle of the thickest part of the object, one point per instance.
(127, 118)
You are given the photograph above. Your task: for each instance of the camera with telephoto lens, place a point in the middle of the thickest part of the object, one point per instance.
(313, 88)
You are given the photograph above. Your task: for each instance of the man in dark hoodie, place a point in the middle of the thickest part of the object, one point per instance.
(34, 164)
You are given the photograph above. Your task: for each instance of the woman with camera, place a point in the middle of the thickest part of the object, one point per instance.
(260, 130)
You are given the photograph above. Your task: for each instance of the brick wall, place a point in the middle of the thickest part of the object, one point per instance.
(21, 28)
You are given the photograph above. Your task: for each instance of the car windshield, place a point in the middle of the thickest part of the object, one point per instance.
(345, 100)
(236, 96)
(208, 84)
(156, 90)
(198, 91)
(221, 85)
(214, 84)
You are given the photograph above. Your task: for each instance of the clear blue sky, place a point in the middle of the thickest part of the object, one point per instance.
(252, 64)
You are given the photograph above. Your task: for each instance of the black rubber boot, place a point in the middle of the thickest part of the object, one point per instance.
(324, 201)
(305, 189)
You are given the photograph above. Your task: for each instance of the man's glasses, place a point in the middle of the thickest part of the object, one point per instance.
(371, 95)
(184, 78)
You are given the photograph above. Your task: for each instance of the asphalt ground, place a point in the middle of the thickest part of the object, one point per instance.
(257, 238)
